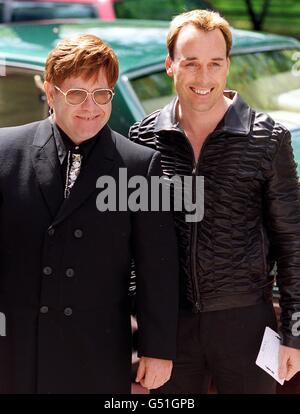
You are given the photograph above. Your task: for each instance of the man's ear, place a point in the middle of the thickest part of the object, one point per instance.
(169, 64)
(49, 91)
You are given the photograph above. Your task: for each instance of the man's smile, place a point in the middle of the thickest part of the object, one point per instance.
(202, 92)
(87, 117)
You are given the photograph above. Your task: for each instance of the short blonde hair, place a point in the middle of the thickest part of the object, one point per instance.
(202, 19)
(81, 55)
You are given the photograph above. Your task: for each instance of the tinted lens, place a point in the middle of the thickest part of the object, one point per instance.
(103, 96)
(75, 96)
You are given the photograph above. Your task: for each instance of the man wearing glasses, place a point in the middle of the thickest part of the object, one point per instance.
(65, 266)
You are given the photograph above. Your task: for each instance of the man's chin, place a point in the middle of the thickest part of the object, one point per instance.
(88, 133)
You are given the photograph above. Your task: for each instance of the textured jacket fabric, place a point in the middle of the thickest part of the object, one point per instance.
(251, 210)
(65, 268)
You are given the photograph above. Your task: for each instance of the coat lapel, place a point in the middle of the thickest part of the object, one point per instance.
(100, 162)
(46, 166)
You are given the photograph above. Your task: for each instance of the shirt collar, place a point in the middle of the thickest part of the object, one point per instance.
(64, 144)
(237, 119)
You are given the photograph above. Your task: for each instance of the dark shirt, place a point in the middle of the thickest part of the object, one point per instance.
(64, 144)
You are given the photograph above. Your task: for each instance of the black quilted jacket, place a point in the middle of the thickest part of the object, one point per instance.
(251, 210)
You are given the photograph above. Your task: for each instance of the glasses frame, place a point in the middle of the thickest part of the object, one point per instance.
(87, 94)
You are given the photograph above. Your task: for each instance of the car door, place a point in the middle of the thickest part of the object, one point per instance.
(22, 99)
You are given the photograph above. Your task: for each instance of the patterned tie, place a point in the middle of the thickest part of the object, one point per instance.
(73, 170)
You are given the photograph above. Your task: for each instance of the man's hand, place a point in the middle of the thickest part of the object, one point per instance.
(153, 372)
(289, 362)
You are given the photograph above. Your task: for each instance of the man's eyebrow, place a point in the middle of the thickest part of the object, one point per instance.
(216, 59)
(189, 58)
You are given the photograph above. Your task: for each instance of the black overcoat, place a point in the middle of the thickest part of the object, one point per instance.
(65, 268)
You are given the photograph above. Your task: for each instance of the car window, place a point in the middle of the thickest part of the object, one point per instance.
(33, 11)
(155, 10)
(267, 81)
(296, 147)
(21, 97)
(154, 90)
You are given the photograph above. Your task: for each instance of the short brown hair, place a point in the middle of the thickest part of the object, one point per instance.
(81, 55)
(202, 19)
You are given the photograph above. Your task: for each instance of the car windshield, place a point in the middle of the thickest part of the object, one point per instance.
(268, 81)
(30, 10)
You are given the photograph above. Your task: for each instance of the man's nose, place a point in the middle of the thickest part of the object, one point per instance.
(203, 74)
(89, 102)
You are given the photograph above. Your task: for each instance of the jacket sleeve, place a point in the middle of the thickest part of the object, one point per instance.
(283, 202)
(133, 133)
(156, 268)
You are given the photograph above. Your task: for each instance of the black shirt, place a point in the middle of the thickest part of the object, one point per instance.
(64, 144)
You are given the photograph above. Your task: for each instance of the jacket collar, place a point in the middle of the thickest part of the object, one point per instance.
(47, 169)
(237, 120)
(46, 166)
(100, 162)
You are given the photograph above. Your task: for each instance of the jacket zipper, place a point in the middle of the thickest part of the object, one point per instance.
(194, 232)
(263, 250)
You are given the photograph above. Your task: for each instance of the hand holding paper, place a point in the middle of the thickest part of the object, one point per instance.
(289, 362)
(268, 356)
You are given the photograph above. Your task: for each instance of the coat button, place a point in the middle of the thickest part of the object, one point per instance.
(44, 309)
(70, 272)
(68, 311)
(47, 270)
(78, 234)
(51, 231)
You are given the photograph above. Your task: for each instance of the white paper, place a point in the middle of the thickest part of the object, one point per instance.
(267, 358)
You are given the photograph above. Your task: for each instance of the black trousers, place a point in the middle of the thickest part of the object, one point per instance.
(222, 345)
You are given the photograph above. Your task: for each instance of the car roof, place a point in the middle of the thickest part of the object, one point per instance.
(137, 43)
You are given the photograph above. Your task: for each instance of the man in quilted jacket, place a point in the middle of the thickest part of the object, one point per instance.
(251, 217)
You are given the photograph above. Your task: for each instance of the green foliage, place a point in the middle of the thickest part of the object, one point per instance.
(156, 9)
(283, 16)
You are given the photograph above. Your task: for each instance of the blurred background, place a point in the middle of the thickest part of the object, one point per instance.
(276, 16)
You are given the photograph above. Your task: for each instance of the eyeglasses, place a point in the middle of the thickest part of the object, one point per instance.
(76, 97)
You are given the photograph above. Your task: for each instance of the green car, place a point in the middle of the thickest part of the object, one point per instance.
(265, 69)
